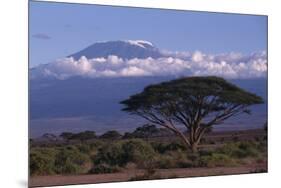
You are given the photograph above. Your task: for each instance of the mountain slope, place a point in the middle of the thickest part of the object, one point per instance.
(123, 49)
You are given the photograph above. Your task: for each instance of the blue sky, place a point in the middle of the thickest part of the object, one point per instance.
(58, 29)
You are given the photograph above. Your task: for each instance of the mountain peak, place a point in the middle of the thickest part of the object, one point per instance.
(140, 43)
(125, 49)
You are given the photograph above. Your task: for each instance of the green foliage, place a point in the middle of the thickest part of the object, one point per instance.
(165, 162)
(240, 149)
(211, 98)
(128, 135)
(84, 148)
(121, 153)
(145, 131)
(66, 135)
(82, 136)
(96, 144)
(173, 159)
(184, 90)
(111, 154)
(161, 147)
(216, 160)
(137, 151)
(86, 135)
(104, 168)
(70, 161)
(42, 161)
(112, 135)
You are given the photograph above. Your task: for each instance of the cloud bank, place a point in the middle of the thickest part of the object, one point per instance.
(230, 65)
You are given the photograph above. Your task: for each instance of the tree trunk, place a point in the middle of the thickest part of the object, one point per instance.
(194, 147)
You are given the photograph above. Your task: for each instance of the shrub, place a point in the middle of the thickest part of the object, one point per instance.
(216, 160)
(66, 135)
(111, 135)
(246, 149)
(145, 131)
(104, 168)
(173, 159)
(84, 148)
(127, 135)
(250, 149)
(111, 154)
(262, 146)
(42, 161)
(185, 163)
(139, 152)
(165, 161)
(240, 149)
(96, 144)
(228, 149)
(83, 136)
(161, 147)
(120, 153)
(70, 161)
(205, 152)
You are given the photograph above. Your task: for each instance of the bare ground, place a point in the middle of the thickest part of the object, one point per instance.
(127, 175)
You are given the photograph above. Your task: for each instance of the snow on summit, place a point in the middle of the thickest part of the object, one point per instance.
(140, 43)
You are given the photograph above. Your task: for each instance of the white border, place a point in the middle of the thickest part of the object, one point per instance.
(14, 93)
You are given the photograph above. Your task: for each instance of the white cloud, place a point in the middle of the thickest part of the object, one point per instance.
(231, 65)
(197, 56)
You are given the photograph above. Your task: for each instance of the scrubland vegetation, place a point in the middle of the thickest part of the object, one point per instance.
(86, 153)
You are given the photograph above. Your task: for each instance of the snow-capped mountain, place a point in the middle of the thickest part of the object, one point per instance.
(83, 91)
(128, 49)
(138, 58)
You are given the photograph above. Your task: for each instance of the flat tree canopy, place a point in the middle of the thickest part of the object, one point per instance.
(197, 103)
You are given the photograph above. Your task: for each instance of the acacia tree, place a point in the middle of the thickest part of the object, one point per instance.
(196, 103)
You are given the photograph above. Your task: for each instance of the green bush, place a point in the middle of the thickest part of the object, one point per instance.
(240, 150)
(42, 161)
(122, 152)
(181, 159)
(104, 168)
(112, 135)
(216, 160)
(250, 152)
(205, 152)
(165, 162)
(66, 135)
(84, 148)
(95, 145)
(262, 146)
(137, 151)
(82, 136)
(161, 147)
(184, 163)
(173, 159)
(111, 154)
(70, 161)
